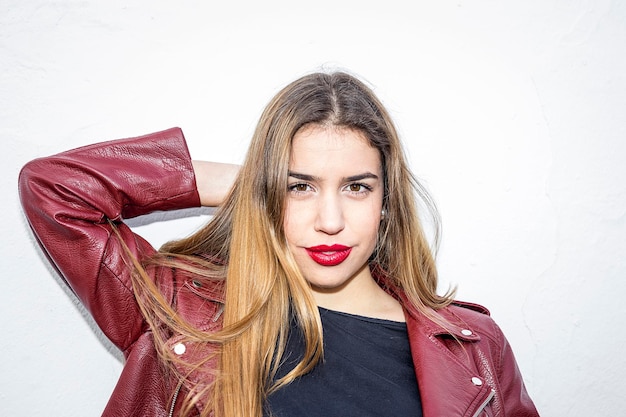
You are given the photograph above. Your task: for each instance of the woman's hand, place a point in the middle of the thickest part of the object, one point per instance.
(214, 180)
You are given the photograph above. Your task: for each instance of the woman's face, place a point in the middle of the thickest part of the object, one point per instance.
(333, 210)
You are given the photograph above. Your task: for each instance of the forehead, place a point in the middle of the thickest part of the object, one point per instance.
(333, 148)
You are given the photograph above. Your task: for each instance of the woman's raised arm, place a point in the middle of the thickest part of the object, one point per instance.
(214, 181)
(71, 198)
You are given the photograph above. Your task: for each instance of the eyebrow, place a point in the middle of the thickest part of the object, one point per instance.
(358, 177)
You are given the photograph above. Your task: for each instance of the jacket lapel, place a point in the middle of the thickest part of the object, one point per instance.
(448, 387)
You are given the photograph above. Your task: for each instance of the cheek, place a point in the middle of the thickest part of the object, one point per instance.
(366, 223)
(372, 229)
(291, 226)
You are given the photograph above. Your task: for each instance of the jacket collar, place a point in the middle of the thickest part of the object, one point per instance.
(448, 385)
(444, 323)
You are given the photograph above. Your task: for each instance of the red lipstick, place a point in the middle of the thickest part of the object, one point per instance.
(329, 255)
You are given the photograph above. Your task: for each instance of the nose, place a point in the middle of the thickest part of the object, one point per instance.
(329, 218)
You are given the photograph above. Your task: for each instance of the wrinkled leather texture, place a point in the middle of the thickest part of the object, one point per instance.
(68, 199)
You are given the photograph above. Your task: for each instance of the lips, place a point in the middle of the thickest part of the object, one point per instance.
(329, 255)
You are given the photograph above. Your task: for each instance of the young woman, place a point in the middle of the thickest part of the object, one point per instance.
(311, 292)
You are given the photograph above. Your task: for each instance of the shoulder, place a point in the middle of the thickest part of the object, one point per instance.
(471, 307)
(472, 316)
(465, 311)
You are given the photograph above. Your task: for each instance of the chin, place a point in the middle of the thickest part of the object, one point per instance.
(327, 286)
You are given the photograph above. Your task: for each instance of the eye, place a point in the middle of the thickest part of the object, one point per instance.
(358, 188)
(300, 187)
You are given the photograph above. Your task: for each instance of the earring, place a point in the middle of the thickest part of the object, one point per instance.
(383, 213)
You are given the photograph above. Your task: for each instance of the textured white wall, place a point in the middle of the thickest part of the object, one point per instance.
(512, 112)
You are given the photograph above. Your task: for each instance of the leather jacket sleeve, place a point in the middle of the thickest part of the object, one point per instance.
(69, 199)
(513, 397)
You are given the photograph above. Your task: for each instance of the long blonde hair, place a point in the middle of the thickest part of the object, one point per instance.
(263, 286)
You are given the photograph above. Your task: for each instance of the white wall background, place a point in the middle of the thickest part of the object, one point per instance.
(513, 113)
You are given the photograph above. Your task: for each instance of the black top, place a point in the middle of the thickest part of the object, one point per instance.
(367, 371)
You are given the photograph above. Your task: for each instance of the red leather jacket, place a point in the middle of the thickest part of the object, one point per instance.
(68, 199)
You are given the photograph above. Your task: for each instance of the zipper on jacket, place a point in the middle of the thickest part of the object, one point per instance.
(484, 404)
(174, 398)
(220, 310)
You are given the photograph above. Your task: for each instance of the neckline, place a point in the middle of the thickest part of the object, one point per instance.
(360, 317)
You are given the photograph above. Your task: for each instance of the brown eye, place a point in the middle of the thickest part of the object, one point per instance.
(358, 188)
(299, 188)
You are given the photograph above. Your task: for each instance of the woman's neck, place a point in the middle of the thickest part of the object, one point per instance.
(362, 296)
